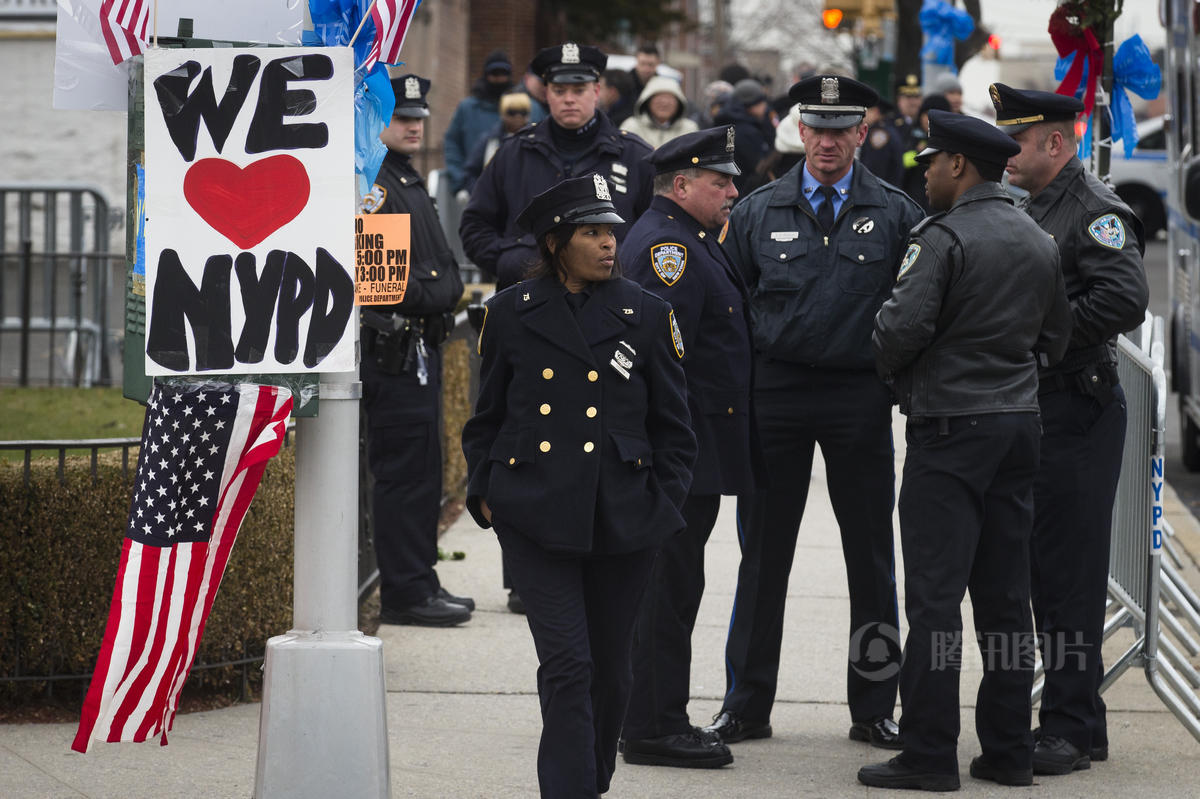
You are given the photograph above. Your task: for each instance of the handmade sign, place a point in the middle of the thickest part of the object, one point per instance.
(381, 258)
(248, 210)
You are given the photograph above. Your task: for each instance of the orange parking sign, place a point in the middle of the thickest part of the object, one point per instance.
(381, 243)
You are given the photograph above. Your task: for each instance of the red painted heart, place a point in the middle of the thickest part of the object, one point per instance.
(247, 205)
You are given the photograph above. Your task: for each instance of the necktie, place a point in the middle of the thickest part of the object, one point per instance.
(825, 211)
(576, 300)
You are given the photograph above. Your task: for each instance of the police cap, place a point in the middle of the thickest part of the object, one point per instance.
(575, 201)
(410, 91)
(569, 63)
(1016, 110)
(909, 86)
(706, 149)
(974, 138)
(832, 101)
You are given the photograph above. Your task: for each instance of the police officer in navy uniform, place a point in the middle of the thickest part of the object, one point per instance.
(579, 455)
(818, 250)
(673, 251)
(577, 139)
(1083, 416)
(402, 383)
(904, 119)
(979, 299)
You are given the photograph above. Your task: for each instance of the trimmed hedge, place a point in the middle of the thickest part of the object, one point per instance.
(60, 546)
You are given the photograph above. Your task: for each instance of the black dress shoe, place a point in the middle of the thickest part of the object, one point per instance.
(1055, 755)
(515, 605)
(981, 769)
(733, 728)
(883, 733)
(466, 601)
(433, 612)
(692, 749)
(894, 774)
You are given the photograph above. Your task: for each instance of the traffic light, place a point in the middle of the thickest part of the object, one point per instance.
(862, 17)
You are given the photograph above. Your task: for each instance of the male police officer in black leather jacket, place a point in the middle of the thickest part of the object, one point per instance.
(978, 300)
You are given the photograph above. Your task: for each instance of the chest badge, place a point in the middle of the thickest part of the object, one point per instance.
(669, 260)
(621, 363)
(910, 258)
(863, 224)
(1108, 231)
(374, 199)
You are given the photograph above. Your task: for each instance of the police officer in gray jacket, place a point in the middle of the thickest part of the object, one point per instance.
(1083, 416)
(978, 300)
(818, 250)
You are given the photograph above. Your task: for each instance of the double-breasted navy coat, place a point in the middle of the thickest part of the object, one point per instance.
(581, 438)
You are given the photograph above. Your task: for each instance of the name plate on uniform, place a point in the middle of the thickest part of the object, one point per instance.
(785, 235)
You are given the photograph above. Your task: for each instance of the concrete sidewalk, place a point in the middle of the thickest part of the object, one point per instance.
(463, 717)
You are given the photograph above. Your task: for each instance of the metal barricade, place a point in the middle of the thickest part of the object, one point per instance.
(450, 214)
(55, 284)
(1147, 593)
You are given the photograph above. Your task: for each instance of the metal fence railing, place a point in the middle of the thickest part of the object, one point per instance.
(56, 314)
(1147, 592)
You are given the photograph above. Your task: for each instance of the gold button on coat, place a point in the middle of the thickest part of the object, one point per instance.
(731, 411)
(511, 461)
(588, 446)
(545, 409)
(547, 373)
(544, 446)
(591, 413)
(593, 376)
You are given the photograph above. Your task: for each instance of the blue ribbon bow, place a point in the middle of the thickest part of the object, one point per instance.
(942, 23)
(1135, 71)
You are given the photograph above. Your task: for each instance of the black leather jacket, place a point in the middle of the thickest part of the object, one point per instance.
(980, 300)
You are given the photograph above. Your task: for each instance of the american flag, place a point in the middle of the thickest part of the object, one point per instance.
(204, 449)
(123, 23)
(391, 18)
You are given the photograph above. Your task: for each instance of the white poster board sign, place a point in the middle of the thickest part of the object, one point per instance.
(249, 211)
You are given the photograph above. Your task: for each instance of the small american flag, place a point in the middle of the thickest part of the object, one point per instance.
(123, 23)
(391, 18)
(204, 449)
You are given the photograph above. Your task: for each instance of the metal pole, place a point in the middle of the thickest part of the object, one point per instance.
(1103, 121)
(26, 295)
(323, 728)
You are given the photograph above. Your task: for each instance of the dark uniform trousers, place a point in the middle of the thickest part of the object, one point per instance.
(849, 414)
(1073, 499)
(966, 512)
(404, 449)
(663, 651)
(581, 611)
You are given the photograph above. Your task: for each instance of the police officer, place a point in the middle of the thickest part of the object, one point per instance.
(978, 299)
(1083, 416)
(579, 454)
(818, 250)
(402, 383)
(673, 251)
(908, 103)
(578, 139)
(882, 152)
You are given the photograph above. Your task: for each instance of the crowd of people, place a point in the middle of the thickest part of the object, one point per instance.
(690, 300)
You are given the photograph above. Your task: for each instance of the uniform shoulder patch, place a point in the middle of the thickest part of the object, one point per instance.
(676, 336)
(669, 259)
(910, 258)
(1108, 231)
(879, 138)
(374, 199)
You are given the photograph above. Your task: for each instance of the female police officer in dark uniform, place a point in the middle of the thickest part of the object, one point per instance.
(579, 454)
